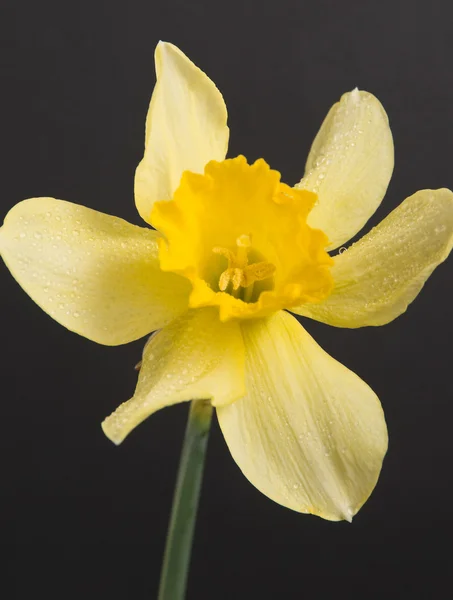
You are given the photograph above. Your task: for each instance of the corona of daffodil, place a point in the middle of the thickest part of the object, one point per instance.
(232, 247)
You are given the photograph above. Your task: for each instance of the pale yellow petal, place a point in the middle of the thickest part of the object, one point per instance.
(95, 274)
(194, 358)
(309, 433)
(185, 128)
(349, 166)
(380, 275)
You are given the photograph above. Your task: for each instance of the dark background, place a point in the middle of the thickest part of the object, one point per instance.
(84, 519)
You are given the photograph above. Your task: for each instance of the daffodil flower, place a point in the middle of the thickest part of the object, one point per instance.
(231, 248)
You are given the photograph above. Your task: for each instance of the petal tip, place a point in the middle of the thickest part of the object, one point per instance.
(355, 95)
(163, 46)
(348, 515)
(111, 432)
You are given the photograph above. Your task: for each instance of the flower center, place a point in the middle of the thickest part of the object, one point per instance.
(239, 272)
(241, 237)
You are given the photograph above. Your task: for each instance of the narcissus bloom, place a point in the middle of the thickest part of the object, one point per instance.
(232, 247)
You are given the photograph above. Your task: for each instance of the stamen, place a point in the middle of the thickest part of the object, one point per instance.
(258, 272)
(239, 272)
(224, 252)
(224, 280)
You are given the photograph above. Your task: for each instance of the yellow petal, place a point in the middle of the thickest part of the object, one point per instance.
(194, 358)
(380, 275)
(95, 274)
(349, 166)
(309, 433)
(185, 128)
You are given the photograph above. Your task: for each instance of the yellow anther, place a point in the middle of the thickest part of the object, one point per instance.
(224, 252)
(224, 280)
(257, 272)
(238, 278)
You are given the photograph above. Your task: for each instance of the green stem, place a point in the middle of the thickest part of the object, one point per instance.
(178, 547)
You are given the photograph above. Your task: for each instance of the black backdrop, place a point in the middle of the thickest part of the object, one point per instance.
(82, 518)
